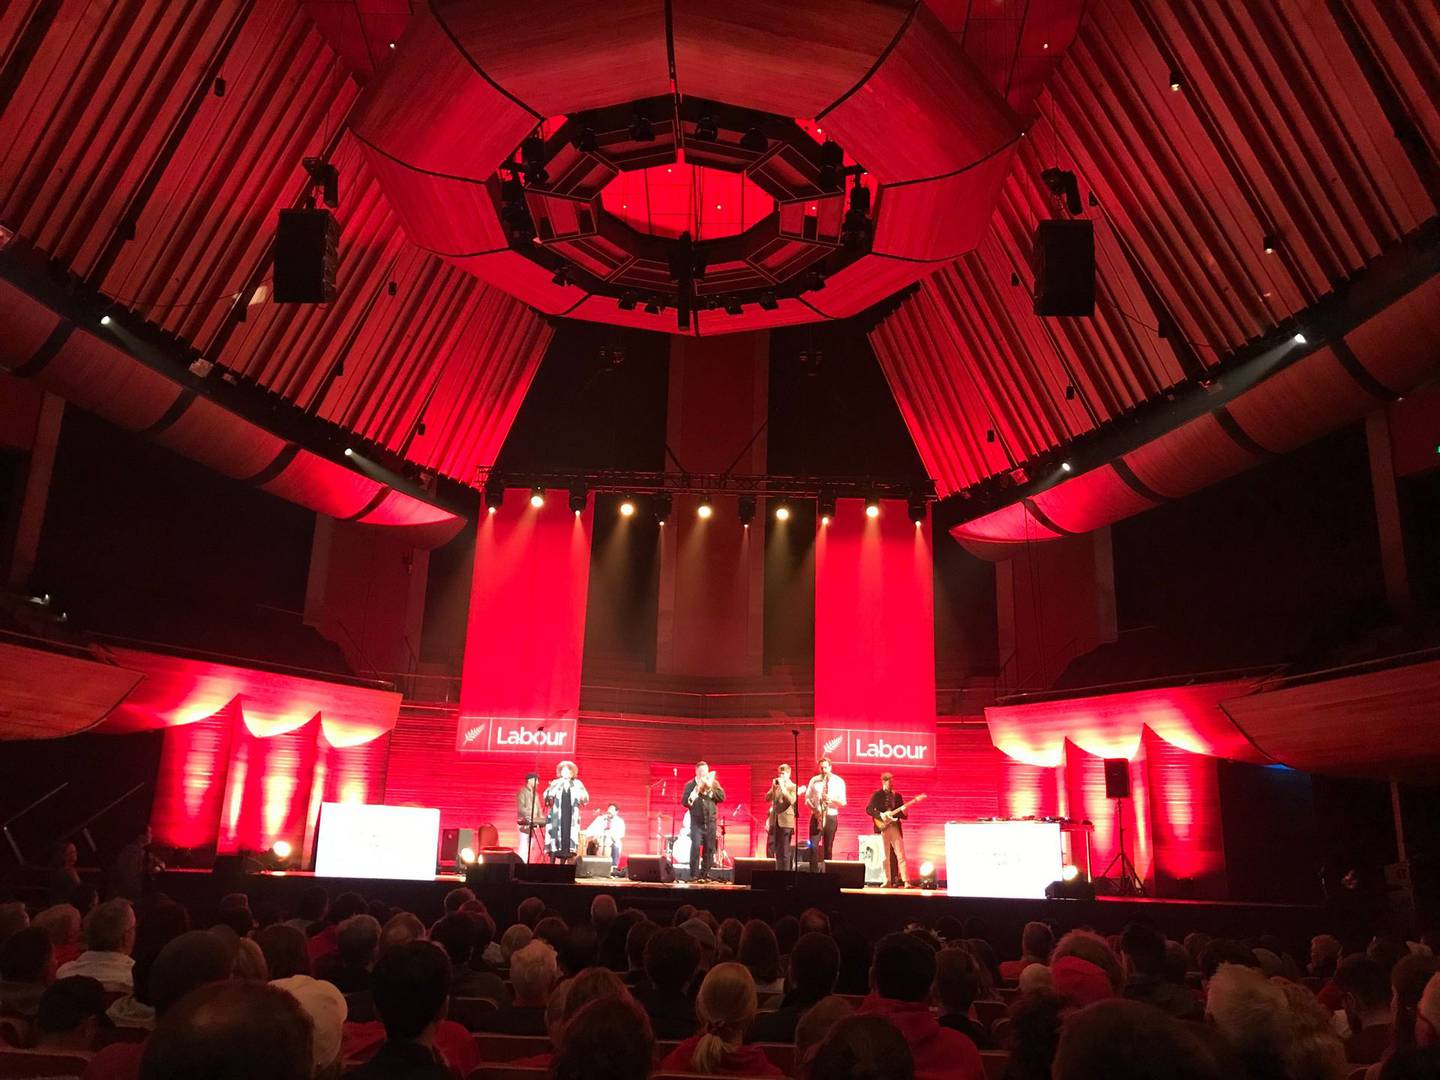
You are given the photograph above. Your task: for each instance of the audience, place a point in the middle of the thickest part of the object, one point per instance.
(760, 952)
(231, 1031)
(348, 967)
(513, 940)
(284, 949)
(814, 965)
(411, 986)
(62, 922)
(1365, 1000)
(109, 942)
(314, 903)
(532, 976)
(814, 1025)
(400, 928)
(71, 1017)
(1407, 982)
(1130, 1040)
(13, 919)
(27, 966)
(459, 934)
(603, 912)
(957, 985)
(1035, 1022)
(530, 911)
(1325, 952)
(901, 978)
(725, 1006)
(1142, 955)
(324, 937)
(671, 960)
(1035, 944)
(607, 1039)
(636, 939)
(863, 1047)
(327, 1011)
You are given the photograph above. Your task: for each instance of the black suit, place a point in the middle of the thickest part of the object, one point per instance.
(703, 816)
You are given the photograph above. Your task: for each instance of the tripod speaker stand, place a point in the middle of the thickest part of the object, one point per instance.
(1121, 872)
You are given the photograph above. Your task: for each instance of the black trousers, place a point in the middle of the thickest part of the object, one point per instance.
(782, 845)
(702, 849)
(822, 840)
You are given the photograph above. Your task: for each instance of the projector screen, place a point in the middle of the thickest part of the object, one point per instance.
(363, 840)
(1001, 858)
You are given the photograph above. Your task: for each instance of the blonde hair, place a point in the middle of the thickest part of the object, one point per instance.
(725, 1006)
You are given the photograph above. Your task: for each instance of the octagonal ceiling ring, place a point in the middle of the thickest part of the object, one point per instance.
(468, 84)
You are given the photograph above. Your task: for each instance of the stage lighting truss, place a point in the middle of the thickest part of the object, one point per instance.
(556, 217)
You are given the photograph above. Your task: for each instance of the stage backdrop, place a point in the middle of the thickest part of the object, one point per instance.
(874, 639)
(520, 684)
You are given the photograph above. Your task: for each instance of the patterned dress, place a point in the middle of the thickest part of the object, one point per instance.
(563, 800)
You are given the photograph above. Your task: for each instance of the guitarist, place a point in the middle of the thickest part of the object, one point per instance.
(825, 795)
(886, 810)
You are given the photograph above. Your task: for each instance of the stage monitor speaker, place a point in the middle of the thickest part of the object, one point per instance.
(593, 866)
(650, 868)
(546, 873)
(234, 866)
(849, 872)
(745, 867)
(1065, 268)
(307, 254)
(817, 886)
(1117, 778)
(452, 842)
(499, 872)
(499, 855)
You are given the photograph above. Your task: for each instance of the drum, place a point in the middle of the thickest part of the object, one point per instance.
(680, 850)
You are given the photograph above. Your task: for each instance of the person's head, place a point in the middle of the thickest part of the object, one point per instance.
(724, 1007)
(533, 971)
(671, 959)
(231, 1031)
(903, 968)
(1037, 941)
(1225, 951)
(612, 808)
(1407, 982)
(83, 898)
(456, 897)
(13, 918)
(1094, 949)
(314, 903)
(234, 900)
(1387, 951)
(814, 1024)
(1365, 991)
(824, 764)
(1142, 951)
(513, 940)
(111, 927)
(1412, 1063)
(1249, 1011)
(411, 985)
(71, 1013)
(957, 980)
(863, 1048)
(787, 932)
(577, 950)
(67, 855)
(356, 940)
(1036, 977)
(28, 957)
(194, 959)
(61, 922)
(784, 771)
(603, 911)
(327, 1011)
(814, 965)
(238, 919)
(683, 914)
(552, 928)
(814, 921)
(1035, 1020)
(1427, 1014)
(285, 951)
(705, 937)
(529, 911)
(886, 781)
(1324, 955)
(608, 1038)
(759, 951)
(455, 934)
(729, 935)
(592, 984)
(637, 937)
(250, 961)
(401, 927)
(567, 770)
(1309, 1046)
(555, 1012)
(1130, 1040)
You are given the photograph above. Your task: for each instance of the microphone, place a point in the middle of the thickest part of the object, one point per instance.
(674, 772)
(663, 785)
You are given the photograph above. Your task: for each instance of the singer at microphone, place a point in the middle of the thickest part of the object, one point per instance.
(780, 820)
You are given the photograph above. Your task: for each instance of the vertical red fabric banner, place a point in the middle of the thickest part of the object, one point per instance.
(874, 639)
(190, 785)
(525, 634)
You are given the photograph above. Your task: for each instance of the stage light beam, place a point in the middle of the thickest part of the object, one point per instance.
(872, 508)
(537, 498)
(282, 849)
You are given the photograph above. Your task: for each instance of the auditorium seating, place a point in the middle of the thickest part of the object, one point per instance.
(28, 1063)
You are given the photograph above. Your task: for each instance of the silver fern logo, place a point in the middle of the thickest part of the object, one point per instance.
(474, 733)
(830, 745)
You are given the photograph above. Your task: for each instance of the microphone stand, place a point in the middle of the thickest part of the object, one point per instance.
(530, 832)
(5, 825)
(794, 839)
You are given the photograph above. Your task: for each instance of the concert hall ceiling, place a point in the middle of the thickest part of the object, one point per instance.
(1253, 171)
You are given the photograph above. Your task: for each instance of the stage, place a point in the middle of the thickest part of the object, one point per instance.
(873, 911)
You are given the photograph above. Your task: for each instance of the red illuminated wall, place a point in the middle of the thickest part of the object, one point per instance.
(1186, 825)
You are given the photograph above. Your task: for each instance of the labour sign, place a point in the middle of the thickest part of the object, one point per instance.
(516, 735)
(891, 749)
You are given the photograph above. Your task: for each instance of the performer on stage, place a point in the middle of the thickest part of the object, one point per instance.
(608, 830)
(825, 795)
(530, 817)
(701, 797)
(563, 799)
(886, 806)
(780, 822)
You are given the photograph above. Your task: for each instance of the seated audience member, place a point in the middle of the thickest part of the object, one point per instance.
(237, 919)
(1129, 1040)
(725, 1006)
(411, 984)
(324, 939)
(814, 966)
(1311, 1047)
(109, 941)
(1407, 983)
(1226, 951)
(671, 959)
(1387, 951)
(191, 960)
(759, 952)
(705, 937)
(348, 967)
(314, 903)
(603, 912)
(1036, 977)
(284, 949)
(62, 922)
(13, 919)
(901, 978)
(613, 942)
(457, 898)
(1193, 943)
(1266, 1031)
(1427, 1015)
(577, 950)
(607, 1039)
(957, 985)
(1035, 1021)
(1080, 982)
(1411, 1063)
(325, 1006)
(989, 965)
(592, 984)
(1324, 956)
(27, 966)
(683, 914)
(401, 927)
(814, 1025)
(457, 935)
(231, 1031)
(552, 930)
(855, 959)
(814, 921)
(158, 921)
(250, 962)
(529, 911)
(1035, 944)
(1093, 948)
(71, 1016)
(513, 940)
(1142, 954)
(863, 1048)
(636, 939)
(486, 957)
(532, 976)
(787, 932)
(728, 937)
(1365, 1000)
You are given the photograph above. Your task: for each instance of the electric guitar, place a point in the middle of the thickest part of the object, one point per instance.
(886, 819)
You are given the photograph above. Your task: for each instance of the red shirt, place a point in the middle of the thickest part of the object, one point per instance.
(742, 1061)
(118, 1061)
(939, 1052)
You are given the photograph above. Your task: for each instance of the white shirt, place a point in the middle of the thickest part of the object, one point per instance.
(113, 970)
(604, 822)
(817, 785)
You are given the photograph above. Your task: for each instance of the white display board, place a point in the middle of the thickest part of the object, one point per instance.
(364, 840)
(1001, 858)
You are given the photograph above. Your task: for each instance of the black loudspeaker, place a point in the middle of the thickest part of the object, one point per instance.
(1117, 778)
(593, 866)
(452, 842)
(817, 886)
(1065, 268)
(546, 873)
(499, 872)
(1079, 889)
(849, 872)
(233, 866)
(307, 254)
(746, 867)
(650, 868)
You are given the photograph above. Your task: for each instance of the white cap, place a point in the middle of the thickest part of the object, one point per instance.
(326, 1007)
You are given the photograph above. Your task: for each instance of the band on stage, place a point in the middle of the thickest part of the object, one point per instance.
(549, 821)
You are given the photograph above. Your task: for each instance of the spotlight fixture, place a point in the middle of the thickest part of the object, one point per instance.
(826, 505)
(537, 497)
(1066, 466)
(754, 140)
(652, 306)
(1269, 243)
(927, 875)
(628, 299)
(704, 510)
(641, 130)
(814, 281)
(105, 320)
(1014, 278)
(1069, 872)
(1176, 82)
(627, 506)
(349, 452)
(467, 855)
(832, 160)
(494, 496)
(281, 849)
(782, 512)
(532, 161)
(915, 507)
(514, 215)
(706, 130)
(1070, 392)
(587, 142)
(732, 305)
(578, 498)
(1063, 184)
(768, 301)
(747, 510)
(662, 506)
(1299, 338)
(872, 507)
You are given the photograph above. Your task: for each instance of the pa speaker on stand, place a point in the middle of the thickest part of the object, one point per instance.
(1121, 872)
